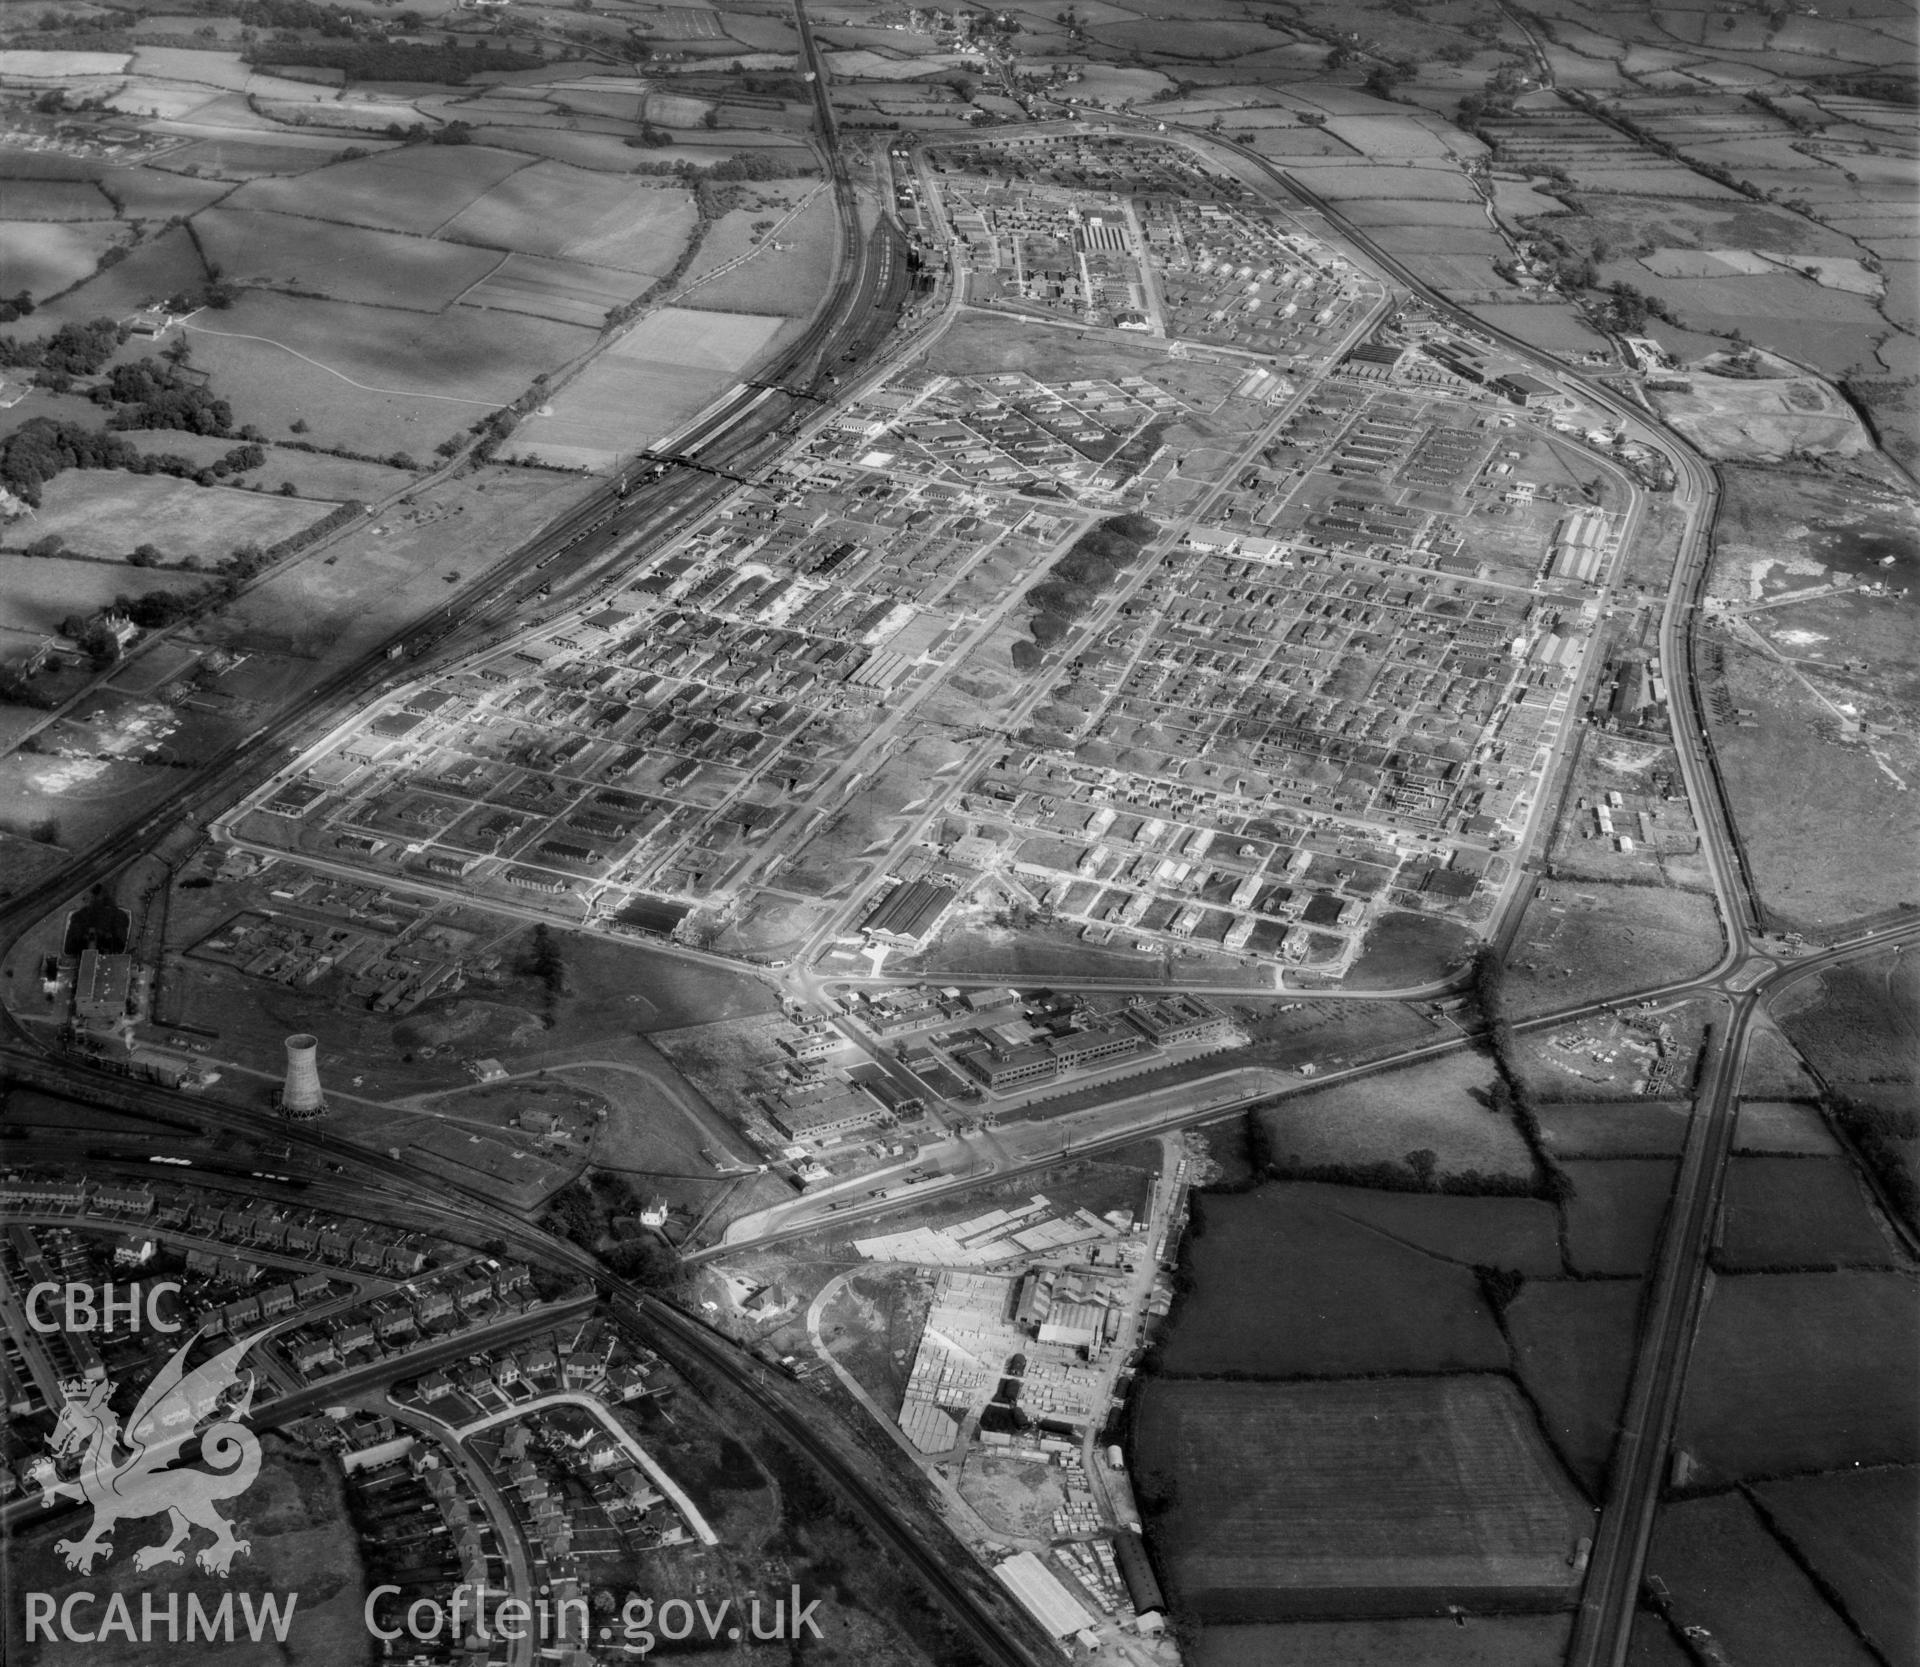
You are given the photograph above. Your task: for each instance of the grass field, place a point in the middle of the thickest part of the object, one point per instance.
(1613, 1220)
(668, 367)
(1382, 1498)
(1404, 950)
(1774, 1071)
(1284, 1284)
(1773, 1126)
(1857, 1023)
(553, 209)
(374, 379)
(787, 274)
(1862, 863)
(1726, 1573)
(44, 257)
(314, 474)
(341, 263)
(416, 188)
(1584, 941)
(1860, 1532)
(568, 291)
(1799, 1212)
(56, 200)
(1573, 1349)
(161, 265)
(1803, 1372)
(1519, 1233)
(1436, 1106)
(36, 593)
(105, 513)
(1485, 1641)
(1630, 1129)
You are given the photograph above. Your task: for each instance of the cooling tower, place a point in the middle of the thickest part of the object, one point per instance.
(301, 1097)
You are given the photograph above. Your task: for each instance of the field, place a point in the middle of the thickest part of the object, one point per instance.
(666, 369)
(1760, 420)
(1391, 1497)
(340, 263)
(1803, 1372)
(1856, 1023)
(374, 379)
(1726, 1573)
(36, 593)
(302, 1542)
(787, 274)
(1768, 1126)
(1859, 1530)
(418, 189)
(1581, 942)
(1860, 862)
(1573, 1344)
(1556, 328)
(1631, 1129)
(560, 211)
(568, 291)
(1794, 1212)
(45, 257)
(160, 265)
(1284, 1284)
(1436, 1106)
(104, 513)
(1518, 1233)
(1485, 1641)
(1407, 950)
(1614, 1217)
(1774, 1070)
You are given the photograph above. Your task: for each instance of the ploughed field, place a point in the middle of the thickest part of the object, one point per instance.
(1380, 1497)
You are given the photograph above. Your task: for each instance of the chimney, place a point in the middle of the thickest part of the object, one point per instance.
(301, 1096)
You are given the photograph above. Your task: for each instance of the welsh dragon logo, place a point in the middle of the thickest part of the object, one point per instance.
(126, 1474)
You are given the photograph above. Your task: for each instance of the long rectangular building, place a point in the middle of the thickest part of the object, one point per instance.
(910, 914)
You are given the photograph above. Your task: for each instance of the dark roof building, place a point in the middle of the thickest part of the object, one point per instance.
(911, 913)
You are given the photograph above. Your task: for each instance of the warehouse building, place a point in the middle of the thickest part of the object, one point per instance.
(910, 914)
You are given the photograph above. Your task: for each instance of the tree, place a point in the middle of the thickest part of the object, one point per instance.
(144, 555)
(1423, 1162)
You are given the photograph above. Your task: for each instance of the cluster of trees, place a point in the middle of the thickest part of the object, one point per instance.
(1509, 1093)
(1881, 1133)
(1628, 310)
(72, 350)
(453, 133)
(153, 394)
(585, 1215)
(547, 966)
(41, 448)
(388, 60)
(15, 306)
